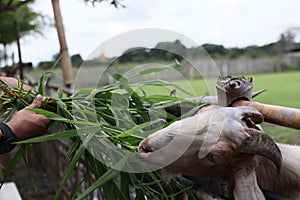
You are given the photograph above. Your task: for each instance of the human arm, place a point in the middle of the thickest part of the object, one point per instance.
(24, 124)
(27, 124)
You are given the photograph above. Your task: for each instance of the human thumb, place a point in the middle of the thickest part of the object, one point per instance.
(37, 102)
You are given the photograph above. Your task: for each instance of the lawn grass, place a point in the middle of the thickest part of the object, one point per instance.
(283, 89)
(282, 134)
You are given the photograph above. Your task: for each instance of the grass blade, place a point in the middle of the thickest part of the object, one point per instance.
(107, 176)
(70, 169)
(62, 135)
(14, 162)
(162, 68)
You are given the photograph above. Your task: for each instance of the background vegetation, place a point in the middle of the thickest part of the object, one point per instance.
(274, 50)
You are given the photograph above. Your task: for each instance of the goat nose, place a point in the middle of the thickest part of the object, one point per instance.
(144, 147)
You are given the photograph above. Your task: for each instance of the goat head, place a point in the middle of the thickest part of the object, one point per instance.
(214, 143)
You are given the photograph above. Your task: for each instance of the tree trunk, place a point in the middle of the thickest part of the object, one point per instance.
(16, 26)
(5, 55)
(64, 53)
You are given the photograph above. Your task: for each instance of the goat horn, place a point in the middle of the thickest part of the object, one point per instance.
(263, 145)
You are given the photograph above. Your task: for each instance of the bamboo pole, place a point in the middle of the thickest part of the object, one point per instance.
(65, 58)
(280, 115)
(284, 116)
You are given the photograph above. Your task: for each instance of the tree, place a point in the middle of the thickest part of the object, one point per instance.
(215, 51)
(11, 5)
(28, 20)
(116, 3)
(76, 60)
(285, 42)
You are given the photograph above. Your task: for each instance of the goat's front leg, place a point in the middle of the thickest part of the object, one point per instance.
(245, 183)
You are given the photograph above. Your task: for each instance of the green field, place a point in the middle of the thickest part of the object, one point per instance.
(282, 89)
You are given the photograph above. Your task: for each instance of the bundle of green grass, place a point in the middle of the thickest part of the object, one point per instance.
(92, 111)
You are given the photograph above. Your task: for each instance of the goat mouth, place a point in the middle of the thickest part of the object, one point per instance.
(155, 156)
(144, 147)
(144, 153)
(147, 154)
(152, 159)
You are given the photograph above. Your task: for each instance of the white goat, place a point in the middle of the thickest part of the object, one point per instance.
(227, 145)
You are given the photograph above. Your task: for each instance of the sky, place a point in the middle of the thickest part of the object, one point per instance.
(232, 23)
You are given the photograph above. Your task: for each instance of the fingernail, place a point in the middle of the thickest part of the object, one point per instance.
(38, 98)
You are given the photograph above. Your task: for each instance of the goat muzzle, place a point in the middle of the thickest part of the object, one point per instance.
(144, 147)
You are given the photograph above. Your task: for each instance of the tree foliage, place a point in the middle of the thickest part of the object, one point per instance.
(165, 50)
(11, 5)
(116, 3)
(29, 21)
(76, 60)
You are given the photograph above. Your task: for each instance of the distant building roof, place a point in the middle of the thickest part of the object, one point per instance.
(103, 58)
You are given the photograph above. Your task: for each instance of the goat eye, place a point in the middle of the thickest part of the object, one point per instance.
(210, 157)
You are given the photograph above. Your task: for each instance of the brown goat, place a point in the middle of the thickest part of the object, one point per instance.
(227, 145)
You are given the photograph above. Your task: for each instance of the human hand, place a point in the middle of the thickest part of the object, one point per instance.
(27, 124)
(12, 82)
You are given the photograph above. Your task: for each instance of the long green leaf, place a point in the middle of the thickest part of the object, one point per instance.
(125, 182)
(56, 117)
(63, 134)
(14, 162)
(159, 69)
(50, 115)
(136, 128)
(122, 80)
(70, 169)
(107, 176)
(43, 82)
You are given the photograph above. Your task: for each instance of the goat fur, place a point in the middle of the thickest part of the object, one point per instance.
(208, 157)
(287, 182)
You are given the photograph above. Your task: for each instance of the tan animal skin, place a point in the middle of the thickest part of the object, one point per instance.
(238, 152)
